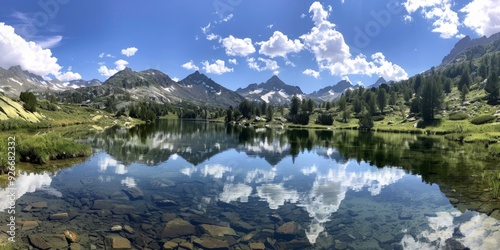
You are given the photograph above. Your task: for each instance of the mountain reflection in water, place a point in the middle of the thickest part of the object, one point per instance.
(342, 188)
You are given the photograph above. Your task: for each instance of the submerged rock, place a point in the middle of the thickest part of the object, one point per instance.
(71, 236)
(214, 230)
(211, 243)
(27, 225)
(117, 242)
(59, 217)
(257, 246)
(176, 228)
(169, 245)
(123, 209)
(38, 242)
(40, 204)
(288, 230)
(134, 193)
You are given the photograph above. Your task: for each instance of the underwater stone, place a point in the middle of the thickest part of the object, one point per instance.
(134, 193)
(38, 242)
(288, 230)
(176, 228)
(211, 243)
(213, 230)
(117, 242)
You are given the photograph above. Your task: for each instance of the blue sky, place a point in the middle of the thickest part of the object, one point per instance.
(311, 44)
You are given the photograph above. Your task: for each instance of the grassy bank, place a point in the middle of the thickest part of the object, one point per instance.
(40, 149)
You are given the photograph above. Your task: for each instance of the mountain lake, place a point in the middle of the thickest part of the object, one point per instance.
(193, 185)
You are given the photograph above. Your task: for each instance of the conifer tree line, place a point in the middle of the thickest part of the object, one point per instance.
(421, 95)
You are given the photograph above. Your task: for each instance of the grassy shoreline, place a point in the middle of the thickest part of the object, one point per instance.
(51, 139)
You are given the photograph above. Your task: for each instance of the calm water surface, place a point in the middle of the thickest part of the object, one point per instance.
(286, 189)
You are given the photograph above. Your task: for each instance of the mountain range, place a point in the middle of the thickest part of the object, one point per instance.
(153, 85)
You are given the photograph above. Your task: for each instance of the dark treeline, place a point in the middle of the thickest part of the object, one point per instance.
(421, 96)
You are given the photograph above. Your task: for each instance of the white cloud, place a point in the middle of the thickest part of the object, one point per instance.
(212, 36)
(233, 61)
(333, 54)
(129, 51)
(190, 66)
(311, 72)
(238, 47)
(218, 68)
(270, 26)
(408, 19)
(50, 42)
(105, 55)
(229, 17)
(121, 64)
(268, 64)
(206, 28)
(302, 15)
(445, 20)
(279, 45)
(69, 76)
(175, 79)
(30, 55)
(104, 71)
(107, 72)
(482, 16)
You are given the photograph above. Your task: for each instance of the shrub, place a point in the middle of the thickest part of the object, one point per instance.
(377, 118)
(302, 118)
(325, 119)
(366, 122)
(482, 119)
(457, 116)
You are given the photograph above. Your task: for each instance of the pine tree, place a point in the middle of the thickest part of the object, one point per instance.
(464, 92)
(492, 87)
(382, 99)
(294, 106)
(465, 79)
(431, 98)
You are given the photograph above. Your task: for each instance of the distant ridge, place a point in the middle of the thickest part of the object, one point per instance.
(466, 43)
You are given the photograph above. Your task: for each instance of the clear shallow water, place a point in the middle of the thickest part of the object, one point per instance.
(214, 175)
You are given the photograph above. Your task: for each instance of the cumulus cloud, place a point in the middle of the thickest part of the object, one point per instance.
(107, 72)
(69, 76)
(482, 16)
(333, 54)
(445, 20)
(218, 68)
(279, 45)
(190, 66)
(129, 51)
(233, 61)
(262, 64)
(31, 56)
(237, 46)
(311, 72)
